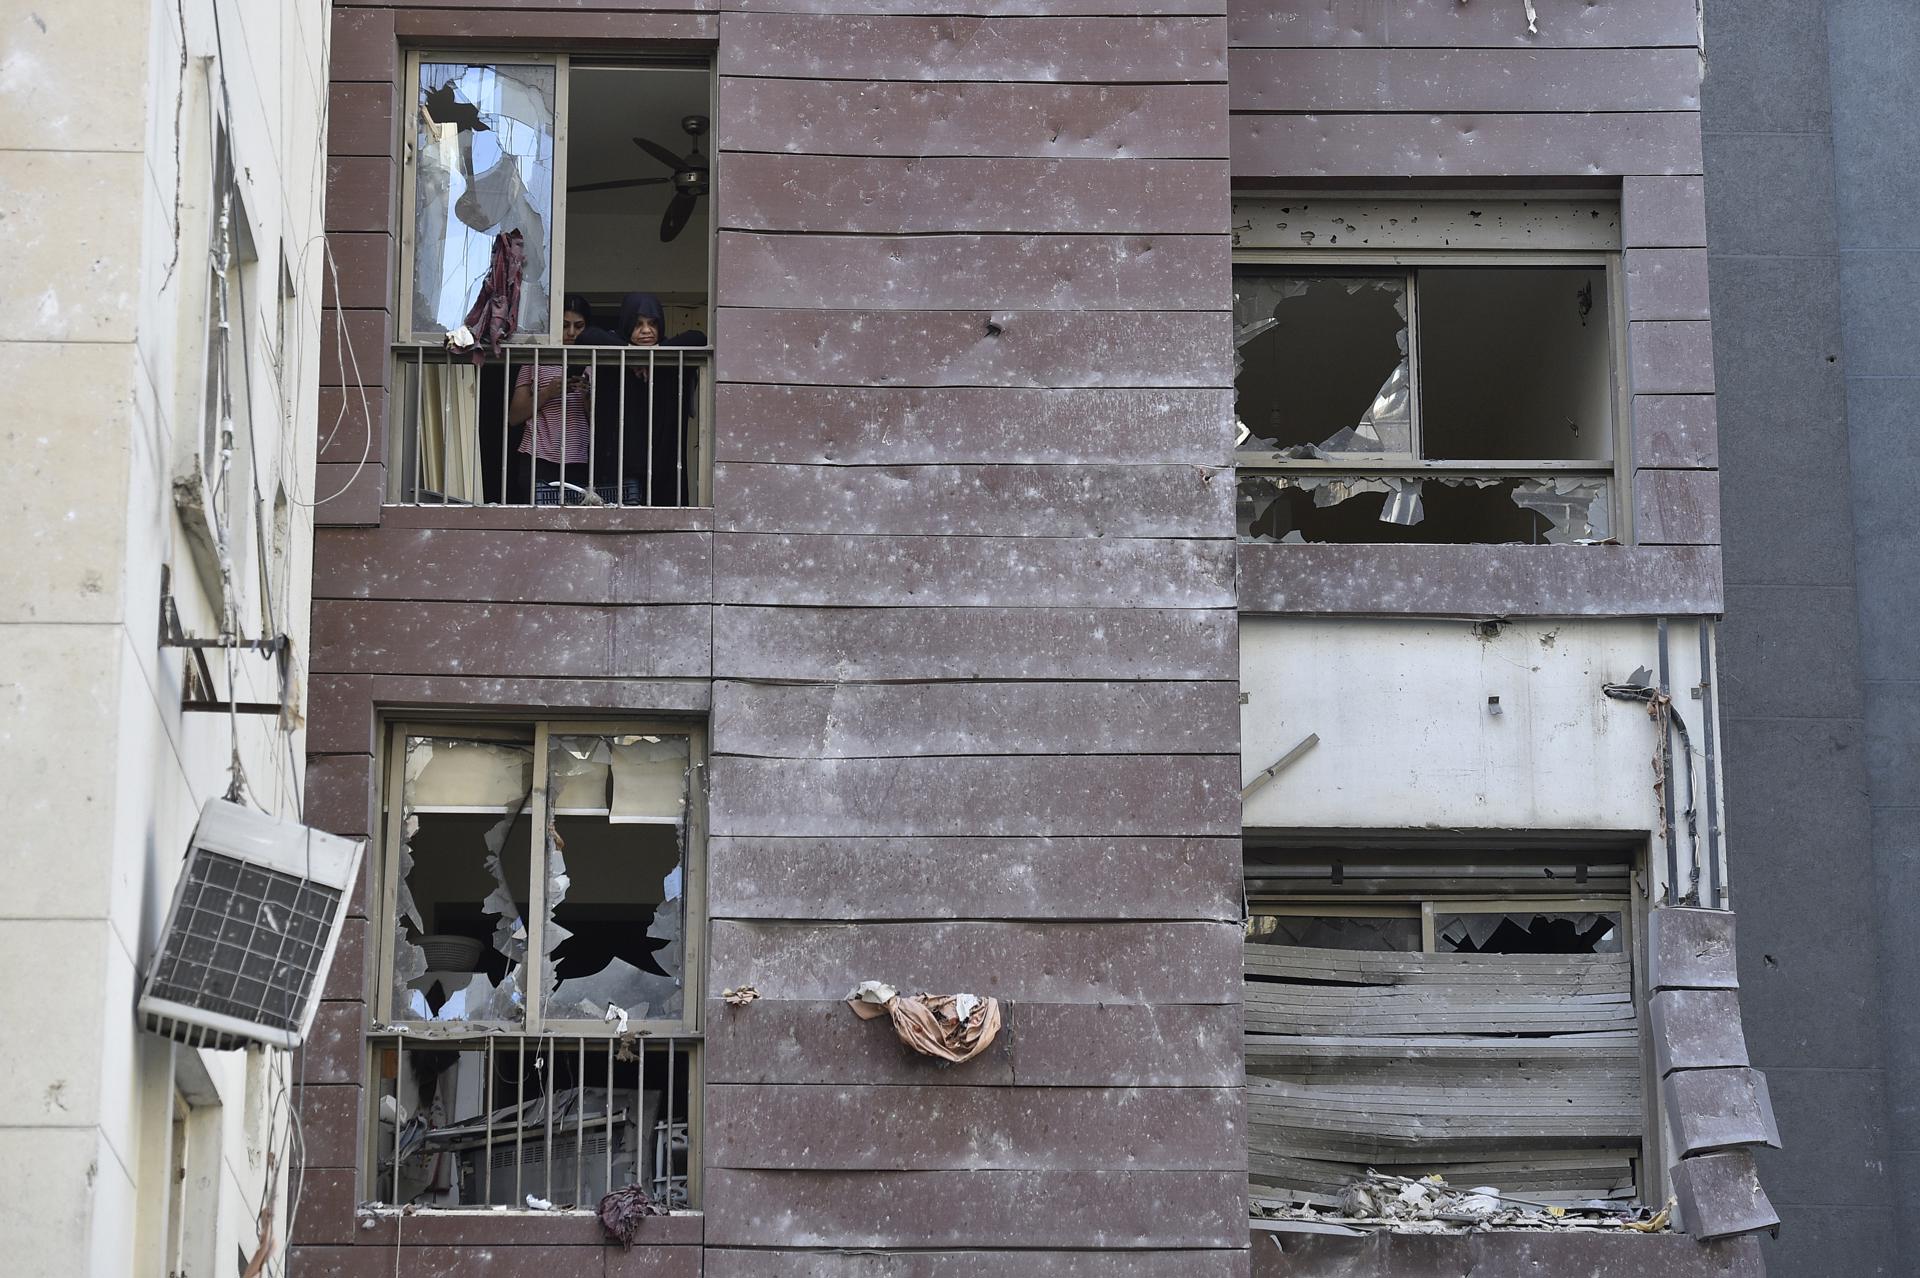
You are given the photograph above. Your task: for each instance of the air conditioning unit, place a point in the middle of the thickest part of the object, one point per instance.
(253, 927)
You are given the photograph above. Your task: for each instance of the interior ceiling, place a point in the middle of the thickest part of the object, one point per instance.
(608, 107)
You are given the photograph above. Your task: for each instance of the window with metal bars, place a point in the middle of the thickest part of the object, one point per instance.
(537, 1013)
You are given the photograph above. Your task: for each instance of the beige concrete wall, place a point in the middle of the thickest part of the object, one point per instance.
(106, 117)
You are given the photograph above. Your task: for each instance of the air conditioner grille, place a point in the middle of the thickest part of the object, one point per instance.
(247, 941)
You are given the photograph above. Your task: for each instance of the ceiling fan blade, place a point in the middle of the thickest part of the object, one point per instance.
(621, 184)
(675, 219)
(658, 152)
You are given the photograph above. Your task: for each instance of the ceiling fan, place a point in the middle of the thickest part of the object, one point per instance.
(689, 176)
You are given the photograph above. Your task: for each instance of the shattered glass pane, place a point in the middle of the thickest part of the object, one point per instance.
(614, 935)
(1575, 508)
(1526, 932)
(1327, 506)
(483, 165)
(460, 934)
(1321, 364)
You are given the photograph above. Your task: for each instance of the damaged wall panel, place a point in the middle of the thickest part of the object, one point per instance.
(851, 1128)
(851, 721)
(1491, 148)
(992, 500)
(1045, 121)
(1015, 778)
(1462, 79)
(1039, 877)
(1066, 572)
(1036, 348)
(1089, 1045)
(886, 195)
(831, 426)
(1626, 24)
(982, 1209)
(982, 796)
(730, 1263)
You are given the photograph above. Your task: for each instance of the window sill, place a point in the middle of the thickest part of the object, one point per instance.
(1425, 579)
(553, 518)
(480, 1226)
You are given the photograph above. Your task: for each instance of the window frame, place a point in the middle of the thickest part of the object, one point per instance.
(533, 1024)
(1617, 471)
(557, 225)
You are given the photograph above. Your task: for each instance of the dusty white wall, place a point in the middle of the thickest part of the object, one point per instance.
(1407, 740)
(104, 161)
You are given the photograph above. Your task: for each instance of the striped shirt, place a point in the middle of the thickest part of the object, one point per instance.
(547, 421)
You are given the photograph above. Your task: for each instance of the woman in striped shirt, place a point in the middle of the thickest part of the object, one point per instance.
(557, 440)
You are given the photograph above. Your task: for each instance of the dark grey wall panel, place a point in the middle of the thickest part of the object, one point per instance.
(1032, 795)
(1088, 1209)
(975, 348)
(1098, 50)
(855, 1128)
(826, 427)
(974, 643)
(1049, 121)
(1450, 24)
(890, 196)
(1052, 962)
(1460, 79)
(1012, 572)
(1493, 148)
(907, 720)
(1073, 272)
(1795, 94)
(977, 501)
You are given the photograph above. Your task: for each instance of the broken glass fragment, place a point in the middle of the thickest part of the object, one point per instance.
(1321, 360)
(459, 939)
(615, 880)
(483, 166)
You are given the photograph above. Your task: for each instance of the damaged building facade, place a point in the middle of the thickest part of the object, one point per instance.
(1190, 528)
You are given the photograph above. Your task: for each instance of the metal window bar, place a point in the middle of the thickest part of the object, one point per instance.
(450, 1142)
(434, 467)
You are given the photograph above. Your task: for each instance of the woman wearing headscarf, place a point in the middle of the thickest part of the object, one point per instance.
(648, 412)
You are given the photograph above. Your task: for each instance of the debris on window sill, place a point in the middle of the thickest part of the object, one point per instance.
(1402, 1204)
(622, 1211)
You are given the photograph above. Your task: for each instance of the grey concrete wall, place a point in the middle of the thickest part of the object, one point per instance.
(1796, 344)
(1874, 60)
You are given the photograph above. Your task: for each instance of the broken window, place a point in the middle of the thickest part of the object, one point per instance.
(551, 203)
(1402, 1022)
(1440, 403)
(538, 882)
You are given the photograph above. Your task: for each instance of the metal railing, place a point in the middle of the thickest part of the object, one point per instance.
(548, 1122)
(548, 426)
